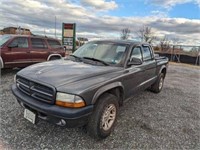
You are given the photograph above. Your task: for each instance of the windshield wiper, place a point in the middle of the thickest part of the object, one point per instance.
(94, 59)
(76, 57)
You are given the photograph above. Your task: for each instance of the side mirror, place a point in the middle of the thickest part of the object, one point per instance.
(13, 45)
(135, 61)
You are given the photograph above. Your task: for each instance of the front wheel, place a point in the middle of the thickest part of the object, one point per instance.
(158, 85)
(102, 121)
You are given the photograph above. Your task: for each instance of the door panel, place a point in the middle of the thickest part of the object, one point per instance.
(149, 66)
(150, 73)
(18, 53)
(39, 50)
(134, 74)
(132, 80)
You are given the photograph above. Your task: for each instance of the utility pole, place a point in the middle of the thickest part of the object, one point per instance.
(55, 26)
(44, 32)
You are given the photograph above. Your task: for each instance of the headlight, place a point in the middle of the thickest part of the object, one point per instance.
(68, 100)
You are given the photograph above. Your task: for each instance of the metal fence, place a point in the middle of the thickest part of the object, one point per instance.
(182, 53)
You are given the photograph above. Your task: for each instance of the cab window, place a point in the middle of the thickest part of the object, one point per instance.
(136, 52)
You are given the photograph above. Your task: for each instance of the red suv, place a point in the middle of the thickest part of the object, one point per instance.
(24, 50)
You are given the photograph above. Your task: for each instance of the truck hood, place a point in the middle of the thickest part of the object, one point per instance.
(61, 72)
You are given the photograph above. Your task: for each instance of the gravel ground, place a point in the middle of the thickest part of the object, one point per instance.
(169, 120)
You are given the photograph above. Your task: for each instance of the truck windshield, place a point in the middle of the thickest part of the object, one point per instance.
(110, 53)
(4, 39)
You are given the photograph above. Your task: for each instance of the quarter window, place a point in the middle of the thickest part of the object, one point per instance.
(22, 42)
(54, 43)
(38, 43)
(146, 53)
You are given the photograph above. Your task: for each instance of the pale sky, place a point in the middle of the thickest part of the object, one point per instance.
(103, 19)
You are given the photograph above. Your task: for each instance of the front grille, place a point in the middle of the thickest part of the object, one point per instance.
(36, 90)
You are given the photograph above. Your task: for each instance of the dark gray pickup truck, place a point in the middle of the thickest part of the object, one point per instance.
(87, 88)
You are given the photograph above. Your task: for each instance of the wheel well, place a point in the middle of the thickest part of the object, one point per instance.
(118, 92)
(1, 63)
(54, 56)
(164, 71)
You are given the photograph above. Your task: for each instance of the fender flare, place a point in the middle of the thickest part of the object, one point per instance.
(1, 63)
(51, 55)
(105, 88)
(162, 67)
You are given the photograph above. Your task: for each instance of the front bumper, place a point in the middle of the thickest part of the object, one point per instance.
(53, 113)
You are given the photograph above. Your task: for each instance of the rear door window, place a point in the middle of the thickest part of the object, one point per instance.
(38, 43)
(54, 43)
(22, 42)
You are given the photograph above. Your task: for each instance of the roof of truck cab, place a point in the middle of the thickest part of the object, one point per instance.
(132, 42)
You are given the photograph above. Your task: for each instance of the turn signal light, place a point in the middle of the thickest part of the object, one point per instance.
(68, 104)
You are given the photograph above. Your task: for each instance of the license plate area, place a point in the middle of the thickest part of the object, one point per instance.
(30, 116)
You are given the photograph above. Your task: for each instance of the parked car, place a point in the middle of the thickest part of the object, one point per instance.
(24, 50)
(89, 86)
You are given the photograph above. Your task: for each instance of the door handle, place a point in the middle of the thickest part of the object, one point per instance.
(126, 71)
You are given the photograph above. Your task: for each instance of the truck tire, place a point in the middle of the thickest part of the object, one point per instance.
(158, 85)
(102, 121)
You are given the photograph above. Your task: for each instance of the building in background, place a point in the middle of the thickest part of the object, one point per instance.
(81, 41)
(15, 30)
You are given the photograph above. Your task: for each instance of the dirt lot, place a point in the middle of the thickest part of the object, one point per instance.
(169, 120)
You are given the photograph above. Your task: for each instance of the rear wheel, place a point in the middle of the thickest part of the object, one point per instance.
(102, 121)
(158, 85)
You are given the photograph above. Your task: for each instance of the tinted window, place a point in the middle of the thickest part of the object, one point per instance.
(4, 39)
(54, 43)
(136, 52)
(146, 53)
(22, 42)
(38, 43)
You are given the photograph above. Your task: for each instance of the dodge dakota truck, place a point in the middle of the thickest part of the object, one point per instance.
(88, 87)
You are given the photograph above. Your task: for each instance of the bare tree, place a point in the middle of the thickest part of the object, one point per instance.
(146, 34)
(175, 40)
(195, 50)
(165, 43)
(125, 33)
